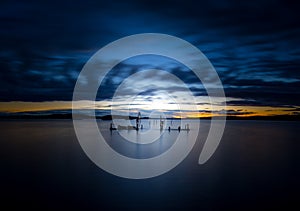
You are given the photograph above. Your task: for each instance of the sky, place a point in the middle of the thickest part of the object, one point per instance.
(253, 46)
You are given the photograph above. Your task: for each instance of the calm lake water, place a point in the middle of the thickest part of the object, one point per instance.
(256, 166)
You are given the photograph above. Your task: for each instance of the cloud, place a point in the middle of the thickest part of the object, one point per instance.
(254, 46)
(227, 112)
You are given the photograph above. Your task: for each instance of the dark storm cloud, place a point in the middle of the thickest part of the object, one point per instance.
(38, 79)
(227, 112)
(266, 93)
(254, 45)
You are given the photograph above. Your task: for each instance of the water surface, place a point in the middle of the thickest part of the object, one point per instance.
(256, 166)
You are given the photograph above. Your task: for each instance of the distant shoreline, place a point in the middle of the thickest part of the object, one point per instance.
(109, 117)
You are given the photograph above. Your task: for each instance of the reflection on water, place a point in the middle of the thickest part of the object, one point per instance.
(150, 141)
(256, 166)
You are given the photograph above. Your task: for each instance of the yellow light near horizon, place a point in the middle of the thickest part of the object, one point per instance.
(20, 106)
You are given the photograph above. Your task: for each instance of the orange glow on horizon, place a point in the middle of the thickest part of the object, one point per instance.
(241, 111)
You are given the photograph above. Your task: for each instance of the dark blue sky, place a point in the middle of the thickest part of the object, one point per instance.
(254, 45)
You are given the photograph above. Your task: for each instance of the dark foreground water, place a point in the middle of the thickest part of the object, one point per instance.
(256, 166)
